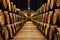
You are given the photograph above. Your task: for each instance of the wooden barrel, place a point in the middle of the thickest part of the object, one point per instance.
(13, 29)
(15, 26)
(47, 29)
(41, 27)
(44, 27)
(45, 7)
(57, 3)
(43, 18)
(15, 8)
(2, 19)
(10, 31)
(18, 17)
(14, 18)
(49, 17)
(52, 3)
(48, 4)
(12, 7)
(11, 17)
(7, 17)
(5, 33)
(39, 18)
(56, 17)
(51, 31)
(46, 14)
(3, 4)
(9, 5)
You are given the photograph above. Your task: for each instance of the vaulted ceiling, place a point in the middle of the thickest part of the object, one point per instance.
(23, 4)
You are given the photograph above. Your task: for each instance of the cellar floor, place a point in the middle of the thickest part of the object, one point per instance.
(29, 32)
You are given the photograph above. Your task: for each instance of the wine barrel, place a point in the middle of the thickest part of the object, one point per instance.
(9, 5)
(46, 14)
(42, 8)
(12, 7)
(49, 17)
(7, 17)
(57, 3)
(2, 19)
(48, 4)
(44, 27)
(18, 26)
(15, 8)
(52, 3)
(41, 24)
(13, 29)
(14, 17)
(10, 31)
(11, 16)
(56, 17)
(3, 4)
(51, 31)
(47, 29)
(16, 22)
(45, 7)
(39, 18)
(18, 17)
(5, 33)
(43, 18)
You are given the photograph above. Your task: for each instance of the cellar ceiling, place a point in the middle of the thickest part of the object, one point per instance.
(23, 4)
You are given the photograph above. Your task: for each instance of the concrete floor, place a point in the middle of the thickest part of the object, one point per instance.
(29, 32)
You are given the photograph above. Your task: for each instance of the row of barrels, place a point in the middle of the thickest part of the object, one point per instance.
(51, 17)
(11, 20)
(7, 5)
(10, 23)
(49, 24)
(49, 5)
(49, 31)
(47, 19)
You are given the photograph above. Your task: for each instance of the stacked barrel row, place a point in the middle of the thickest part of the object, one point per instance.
(11, 20)
(47, 19)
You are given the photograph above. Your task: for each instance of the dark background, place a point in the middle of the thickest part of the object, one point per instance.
(23, 4)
